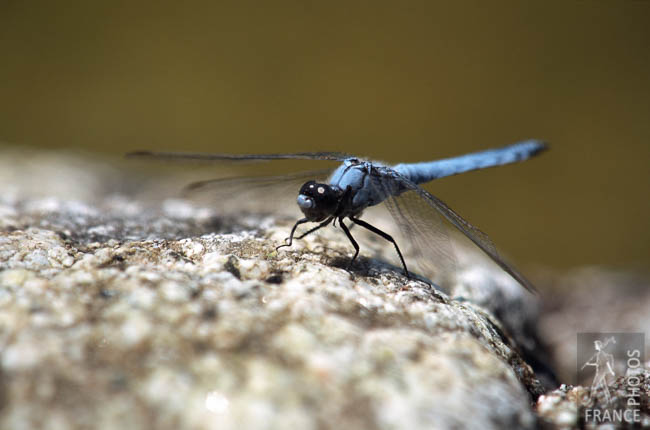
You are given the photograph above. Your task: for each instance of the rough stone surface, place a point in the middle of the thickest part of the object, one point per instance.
(120, 312)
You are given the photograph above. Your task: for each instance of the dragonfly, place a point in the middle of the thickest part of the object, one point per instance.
(358, 184)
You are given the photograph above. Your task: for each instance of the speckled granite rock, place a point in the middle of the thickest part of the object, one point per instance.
(119, 314)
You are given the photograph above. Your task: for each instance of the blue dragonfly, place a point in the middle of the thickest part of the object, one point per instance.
(358, 184)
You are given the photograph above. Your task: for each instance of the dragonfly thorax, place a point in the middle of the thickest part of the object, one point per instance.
(318, 201)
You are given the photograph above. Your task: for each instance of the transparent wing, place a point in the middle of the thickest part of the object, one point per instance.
(419, 223)
(254, 194)
(424, 226)
(420, 215)
(190, 156)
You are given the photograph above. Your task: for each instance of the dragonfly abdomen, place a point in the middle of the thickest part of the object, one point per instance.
(428, 171)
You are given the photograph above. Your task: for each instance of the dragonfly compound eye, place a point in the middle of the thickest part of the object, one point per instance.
(317, 201)
(305, 202)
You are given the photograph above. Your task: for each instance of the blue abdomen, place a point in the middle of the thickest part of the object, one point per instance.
(428, 171)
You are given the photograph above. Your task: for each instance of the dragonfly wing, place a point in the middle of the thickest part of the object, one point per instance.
(420, 216)
(253, 194)
(190, 156)
(421, 225)
(479, 238)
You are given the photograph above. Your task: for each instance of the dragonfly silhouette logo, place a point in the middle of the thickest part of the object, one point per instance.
(610, 364)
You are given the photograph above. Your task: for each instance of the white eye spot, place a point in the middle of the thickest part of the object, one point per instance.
(311, 186)
(321, 190)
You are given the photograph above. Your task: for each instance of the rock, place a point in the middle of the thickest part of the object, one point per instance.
(121, 312)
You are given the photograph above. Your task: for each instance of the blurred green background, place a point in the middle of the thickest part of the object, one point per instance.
(391, 80)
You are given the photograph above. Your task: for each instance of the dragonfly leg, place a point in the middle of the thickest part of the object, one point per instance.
(354, 242)
(293, 230)
(321, 225)
(386, 236)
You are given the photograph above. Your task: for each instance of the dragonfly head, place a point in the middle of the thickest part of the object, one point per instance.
(318, 201)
